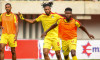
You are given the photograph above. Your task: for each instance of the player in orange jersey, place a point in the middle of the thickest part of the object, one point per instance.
(9, 22)
(67, 31)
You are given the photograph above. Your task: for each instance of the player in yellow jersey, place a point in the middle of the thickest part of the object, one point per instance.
(9, 22)
(67, 31)
(51, 40)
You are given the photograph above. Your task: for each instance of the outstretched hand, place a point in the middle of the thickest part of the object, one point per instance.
(21, 16)
(91, 36)
(15, 38)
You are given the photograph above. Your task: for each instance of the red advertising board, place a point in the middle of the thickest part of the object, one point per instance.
(26, 49)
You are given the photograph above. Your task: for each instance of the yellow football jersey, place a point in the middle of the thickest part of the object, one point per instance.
(48, 21)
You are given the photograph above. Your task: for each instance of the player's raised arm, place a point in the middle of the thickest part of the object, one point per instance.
(84, 29)
(28, 20)
(52, 27)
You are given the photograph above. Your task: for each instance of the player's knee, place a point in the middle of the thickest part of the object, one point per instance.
(45, 53)
(58, 54)
(13, 52)
(73, 53)
(66, 56)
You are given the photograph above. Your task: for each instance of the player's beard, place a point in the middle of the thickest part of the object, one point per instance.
(68, 18)
(8, 11)
(48, 13)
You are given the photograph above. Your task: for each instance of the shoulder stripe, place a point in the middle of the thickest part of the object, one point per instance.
(78, 22)
(16, 18)
(59, 14)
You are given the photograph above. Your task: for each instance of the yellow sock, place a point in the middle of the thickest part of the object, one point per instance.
(74, 58)
(67, 58)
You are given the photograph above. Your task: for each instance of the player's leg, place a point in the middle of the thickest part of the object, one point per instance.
(46, 47)
(73, 53)
(58, 55)
(2, 47)
(13, 51)
(3, 43)
(73, 48)
(65, 49)
(57, 47)
(12, 44)
(45, 52)
(66, 57)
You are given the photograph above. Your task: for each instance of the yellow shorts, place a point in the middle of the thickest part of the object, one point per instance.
(69, 45)
(52, 42)
(8, 38)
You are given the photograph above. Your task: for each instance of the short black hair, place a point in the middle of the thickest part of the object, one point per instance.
(68, 9)
(47, 4)
(7, 4)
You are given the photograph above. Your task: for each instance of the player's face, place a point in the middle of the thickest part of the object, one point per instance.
(47, 10)
(68, 14)
(8, 8)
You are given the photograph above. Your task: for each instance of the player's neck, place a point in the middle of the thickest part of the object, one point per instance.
(48, 14)
(8, 13)
(68, 20)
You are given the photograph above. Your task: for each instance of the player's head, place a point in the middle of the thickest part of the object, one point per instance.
(68, 13)
(8, 7)
(47, 7)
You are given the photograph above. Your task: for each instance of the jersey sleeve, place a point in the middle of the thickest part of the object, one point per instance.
(59, 21)
(77, 23)
(15, 19)
(38, 19)
(0, 17)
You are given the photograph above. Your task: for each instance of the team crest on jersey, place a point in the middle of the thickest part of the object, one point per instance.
(52, 16)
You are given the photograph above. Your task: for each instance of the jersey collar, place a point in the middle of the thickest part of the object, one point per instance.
(66, 20)
(9, 14)
(50, 13)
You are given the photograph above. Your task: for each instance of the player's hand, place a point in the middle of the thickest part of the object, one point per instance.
(44, 34)
(21, 16)
(15, 38)
(91, 36)
(1, 27)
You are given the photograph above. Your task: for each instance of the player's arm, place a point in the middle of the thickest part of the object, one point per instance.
(1, 25)
(1, 22)
(31, 20)
(52, 27)
(28, 20)
(16, 26)
(78, 24)
(84, 29)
